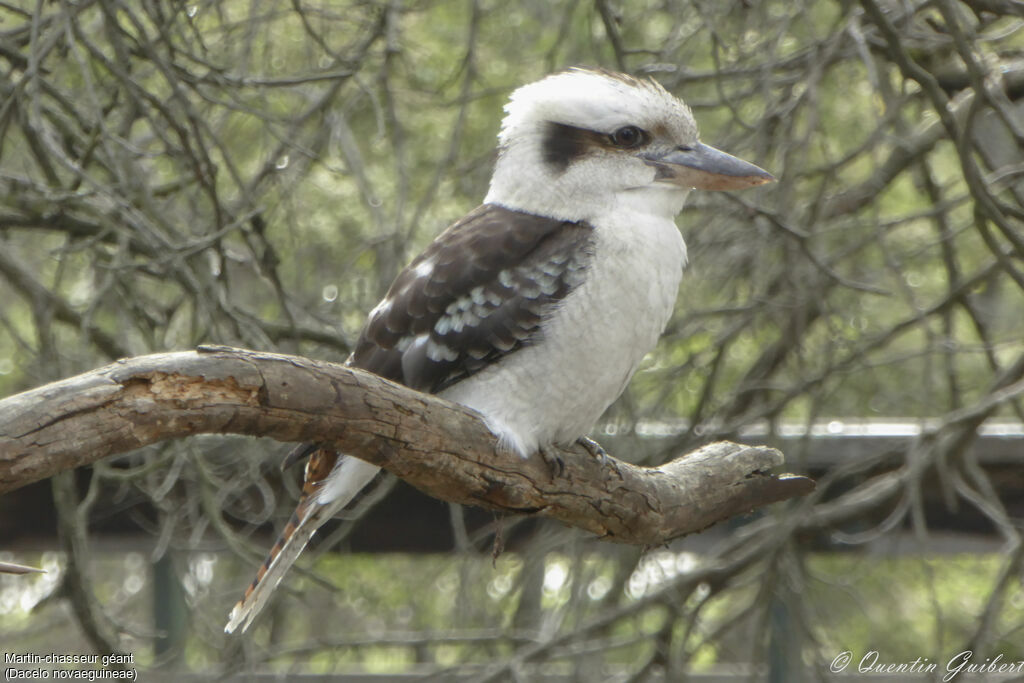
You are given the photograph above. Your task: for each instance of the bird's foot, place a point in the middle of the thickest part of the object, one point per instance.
(556, 466)
(598, 452)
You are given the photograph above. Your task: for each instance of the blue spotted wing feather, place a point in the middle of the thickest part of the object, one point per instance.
(479, 292)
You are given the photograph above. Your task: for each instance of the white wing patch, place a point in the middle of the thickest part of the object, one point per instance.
(381, 308)
(424, 269)
(437, 351)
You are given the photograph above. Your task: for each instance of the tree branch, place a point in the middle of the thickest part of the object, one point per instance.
(441, 448)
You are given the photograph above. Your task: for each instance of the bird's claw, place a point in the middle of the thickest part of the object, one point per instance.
(597, 451)
(556, 466)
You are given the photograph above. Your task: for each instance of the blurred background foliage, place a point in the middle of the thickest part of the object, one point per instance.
(255, 174)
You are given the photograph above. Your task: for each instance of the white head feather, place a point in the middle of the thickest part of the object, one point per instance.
(597, 101)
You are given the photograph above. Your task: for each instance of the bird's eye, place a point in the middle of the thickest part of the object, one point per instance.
(628, 137)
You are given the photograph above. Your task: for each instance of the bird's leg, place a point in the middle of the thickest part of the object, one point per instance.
(597, 451)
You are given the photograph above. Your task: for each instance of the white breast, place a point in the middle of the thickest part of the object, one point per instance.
(556, 389)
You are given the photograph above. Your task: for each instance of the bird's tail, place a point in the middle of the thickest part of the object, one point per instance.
(316, 506)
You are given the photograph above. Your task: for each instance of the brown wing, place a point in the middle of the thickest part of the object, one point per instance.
(477, 293)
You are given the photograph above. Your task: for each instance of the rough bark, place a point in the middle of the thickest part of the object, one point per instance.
(439, 447)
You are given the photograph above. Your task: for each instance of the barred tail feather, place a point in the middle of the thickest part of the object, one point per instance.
(348, 478)
(300, 528)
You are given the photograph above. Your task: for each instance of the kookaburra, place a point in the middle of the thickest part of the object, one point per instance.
(537, 307)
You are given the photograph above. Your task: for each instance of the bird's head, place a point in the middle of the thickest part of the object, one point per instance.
(579, 142)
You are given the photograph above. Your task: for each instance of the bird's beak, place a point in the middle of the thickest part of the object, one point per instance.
(706, 168)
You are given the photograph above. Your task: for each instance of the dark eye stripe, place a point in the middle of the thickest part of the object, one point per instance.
(564, 144)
